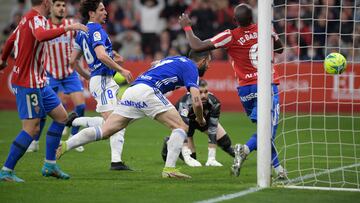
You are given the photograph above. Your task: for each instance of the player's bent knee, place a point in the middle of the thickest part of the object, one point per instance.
(31, 126)
(32, 130)
(59, 114)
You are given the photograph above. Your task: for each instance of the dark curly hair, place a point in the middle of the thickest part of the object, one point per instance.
(88, 5)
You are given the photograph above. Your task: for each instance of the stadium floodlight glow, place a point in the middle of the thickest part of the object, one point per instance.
(264, 93)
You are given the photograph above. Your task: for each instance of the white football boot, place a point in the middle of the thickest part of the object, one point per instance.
(33, 147)
(281, 173)
(241, 152)
(211, 161)
(188, 159)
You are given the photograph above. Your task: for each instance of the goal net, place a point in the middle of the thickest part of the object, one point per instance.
(318, 138)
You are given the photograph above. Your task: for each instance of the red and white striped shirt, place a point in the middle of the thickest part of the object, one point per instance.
(241, 44)
(28, 43)
(59, 51)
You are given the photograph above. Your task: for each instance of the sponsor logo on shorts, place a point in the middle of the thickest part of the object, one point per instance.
(138, 105)
(248, 97)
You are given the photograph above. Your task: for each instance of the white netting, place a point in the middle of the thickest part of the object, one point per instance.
(318, 138)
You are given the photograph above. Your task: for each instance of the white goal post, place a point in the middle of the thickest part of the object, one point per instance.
(264, 93)
(318, 137)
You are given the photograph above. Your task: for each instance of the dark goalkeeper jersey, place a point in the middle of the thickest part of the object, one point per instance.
(211, 111)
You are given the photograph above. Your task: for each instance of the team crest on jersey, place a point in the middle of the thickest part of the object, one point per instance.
(37, 109)
(184, 112)
(97, 36)
(38, 22)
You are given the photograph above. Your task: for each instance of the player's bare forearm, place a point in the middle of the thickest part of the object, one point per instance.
(118, 58)
(194, 42)
(109, 62)
(197, 44)
(84, 73)
(9, 44)
(197, 105)
(74, 63)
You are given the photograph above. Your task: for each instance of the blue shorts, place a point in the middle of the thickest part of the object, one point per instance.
(35, 102)
(248, 98)
(68, 85)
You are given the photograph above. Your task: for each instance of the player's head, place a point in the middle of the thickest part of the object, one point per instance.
(201, 59)
(58, 9)
(243, 15)
(203, 88)
(45, 4)
(93, 10)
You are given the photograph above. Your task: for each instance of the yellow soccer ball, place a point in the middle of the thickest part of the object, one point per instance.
(120, 79)
(335, 63)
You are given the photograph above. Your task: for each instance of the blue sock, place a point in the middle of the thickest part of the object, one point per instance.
(42, 124)
(53, 137)
(274, 156)
(252, 142)
(79, 109)
(17, 149)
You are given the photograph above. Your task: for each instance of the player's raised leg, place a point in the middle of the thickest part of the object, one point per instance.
(74, 88)
(113, 124)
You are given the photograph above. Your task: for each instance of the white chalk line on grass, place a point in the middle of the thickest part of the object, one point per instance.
(327, 171)
(255, 189)
(231, 196)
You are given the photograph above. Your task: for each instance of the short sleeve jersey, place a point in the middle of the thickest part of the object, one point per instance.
(87, 42)
(241, 44)
(171, 73)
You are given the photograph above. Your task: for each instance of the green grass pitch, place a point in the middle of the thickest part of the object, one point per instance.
(92, 181)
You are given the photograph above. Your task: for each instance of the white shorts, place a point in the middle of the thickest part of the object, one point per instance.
(104, 90)
(142, 100)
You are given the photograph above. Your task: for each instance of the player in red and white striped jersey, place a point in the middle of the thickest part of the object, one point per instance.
(59, 49)
(60, 75)
(241, 45)
(33, 98)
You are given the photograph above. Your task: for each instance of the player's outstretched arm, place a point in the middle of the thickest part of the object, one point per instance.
(194, 42)
(197, 105)
(76, 26)
(41, 34)
(9, 44)
(74, 63)
(109, 62)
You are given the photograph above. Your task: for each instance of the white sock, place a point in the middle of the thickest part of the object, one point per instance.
(116, 144)
(175, 144)
(6, 169)
(88, 121)
(211, 153)
(83, 137)
(278, 169)
(50, 161)
(186, 152)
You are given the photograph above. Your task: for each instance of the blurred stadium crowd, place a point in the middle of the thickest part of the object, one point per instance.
(149, 29)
